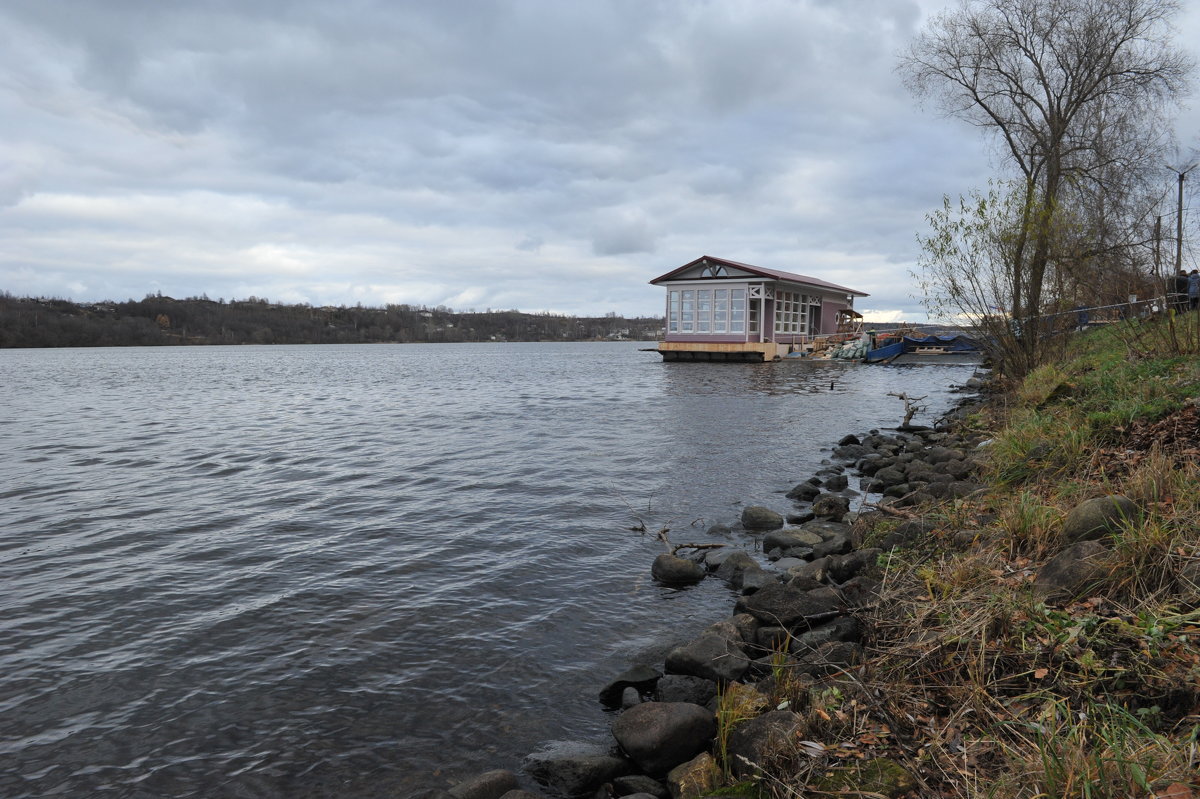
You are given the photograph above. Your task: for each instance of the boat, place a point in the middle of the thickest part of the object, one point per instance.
(925, 349)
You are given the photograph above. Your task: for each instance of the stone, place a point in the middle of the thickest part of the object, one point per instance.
(890, 476)
(489, 785)
(720, 531)
(685, 688)
(778, 604)
(1098, 517)
(811, 575)
(752, 580)
(672, 570)
(837, 482)
(1070, 573)
(828, 658)
(521, 794)
(843, 628)
(658, 736)
(831, 506)
(635, 784)
(711, 656)
(640, 678)
(849, 439)
(736, 563)
(850, 452)
(860, 591)
(695, 778)
(805, 492)
(844, 567)
(790, 537)
(630, 697)
(764, 741)
(574, 768)
(756, 517)
(836, 544)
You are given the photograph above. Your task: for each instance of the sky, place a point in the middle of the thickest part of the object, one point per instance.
(540, 155)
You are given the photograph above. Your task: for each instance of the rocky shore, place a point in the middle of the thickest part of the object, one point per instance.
(803, 581)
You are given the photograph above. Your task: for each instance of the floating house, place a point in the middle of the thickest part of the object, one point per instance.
(720, 310)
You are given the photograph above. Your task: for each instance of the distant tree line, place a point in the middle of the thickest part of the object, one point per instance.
(159, 320)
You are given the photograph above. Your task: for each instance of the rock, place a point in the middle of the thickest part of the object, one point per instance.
(636, 784)
(860, 591)
(685, 688)
(849, 439)
(719, 531)
(906, 533)
(829, 657)
(844, 567)
(850, 452)
(630, 697)
(764, 741)
(787, 563)
(837, 482)
(835, 544)
(890, 476)
(784, 606)
(713, 657)
(756, 517)
(489, 785)
(434, 793)
(790, 537)
(573, 768)
(1098, 517)
(1078, 568)
(831, 506)
(695, 778)
(673, 570)
(843, 628)
(521, 794)
(658, 736)
(811, 575)
(805, 492)
(736, 563)
(752, 580)
(641, 678)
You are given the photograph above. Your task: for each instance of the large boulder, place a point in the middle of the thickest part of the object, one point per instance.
(777, 604)
(757, 745)
(1095, 518)
(573, 768)
(756, 517)
(711, 656)
(673, 570)
(734, 564)
(489, 785)
(789, 538)
(1075, 570)
(660, 735)
(831, 506)
(805, 492)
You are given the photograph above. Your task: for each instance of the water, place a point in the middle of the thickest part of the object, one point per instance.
(363, 570)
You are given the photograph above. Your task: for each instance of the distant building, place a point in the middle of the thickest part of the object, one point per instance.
(724, 310)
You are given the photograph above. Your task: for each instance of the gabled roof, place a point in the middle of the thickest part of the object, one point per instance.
(773, 274)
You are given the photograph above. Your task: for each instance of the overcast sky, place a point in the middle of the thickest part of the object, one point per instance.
(532, 154)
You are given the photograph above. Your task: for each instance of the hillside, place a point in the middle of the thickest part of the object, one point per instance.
(158, 320)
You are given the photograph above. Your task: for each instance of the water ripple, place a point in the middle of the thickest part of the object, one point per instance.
(314, 571)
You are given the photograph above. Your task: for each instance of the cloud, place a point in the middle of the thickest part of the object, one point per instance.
(532, 154)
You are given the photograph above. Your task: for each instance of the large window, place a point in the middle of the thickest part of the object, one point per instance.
(719, 311)
(791, 313)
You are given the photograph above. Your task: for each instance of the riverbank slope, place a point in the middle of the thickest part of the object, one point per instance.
(1042, 637)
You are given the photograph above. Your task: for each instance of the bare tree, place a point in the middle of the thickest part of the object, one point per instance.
(1077, 93)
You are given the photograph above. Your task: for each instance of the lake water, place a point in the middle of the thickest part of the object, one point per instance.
(359, 571)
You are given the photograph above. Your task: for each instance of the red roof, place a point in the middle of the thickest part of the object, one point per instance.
(774, 274)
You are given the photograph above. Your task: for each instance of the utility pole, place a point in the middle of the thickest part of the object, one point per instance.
(1182, 173)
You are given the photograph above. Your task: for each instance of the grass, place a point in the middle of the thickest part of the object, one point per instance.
(978, 689)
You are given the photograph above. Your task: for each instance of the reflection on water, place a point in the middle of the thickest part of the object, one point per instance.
(313, 571)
